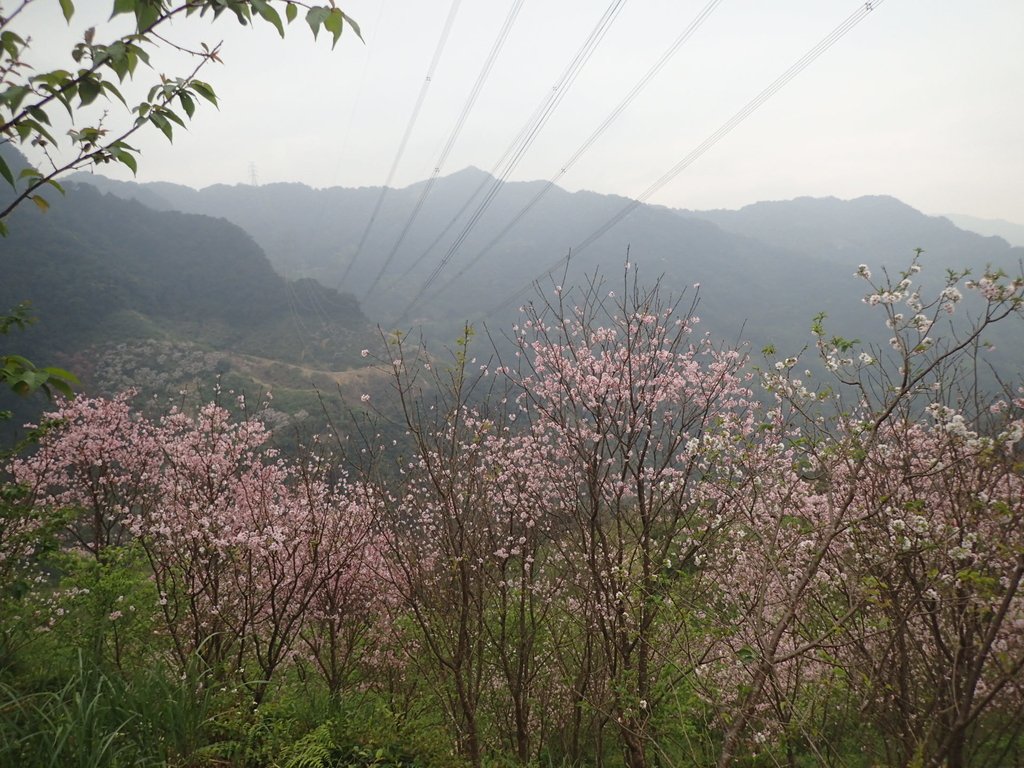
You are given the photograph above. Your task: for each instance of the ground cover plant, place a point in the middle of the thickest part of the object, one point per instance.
(619, 543)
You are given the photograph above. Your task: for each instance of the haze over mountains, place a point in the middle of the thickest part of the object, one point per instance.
(158, 282)
(1008, 230)
(767, 268)
(127, 296)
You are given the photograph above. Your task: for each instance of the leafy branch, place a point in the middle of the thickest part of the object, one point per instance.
(26, 100)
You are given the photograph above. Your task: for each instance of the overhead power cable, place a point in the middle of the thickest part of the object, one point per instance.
(442, 42)
(474, 93)
(612, 116)
(521, 144)
(781, 81)
(523, 132)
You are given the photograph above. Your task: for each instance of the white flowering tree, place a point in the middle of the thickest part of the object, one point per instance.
(859, 569)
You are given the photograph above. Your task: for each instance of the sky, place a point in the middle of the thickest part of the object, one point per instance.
(922, 100)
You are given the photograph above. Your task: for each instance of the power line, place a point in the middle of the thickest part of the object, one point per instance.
(799, 66)
(474, 93)
(589, 142)
(361, 90)
(473, 196)
(442, 42)
(520, 145)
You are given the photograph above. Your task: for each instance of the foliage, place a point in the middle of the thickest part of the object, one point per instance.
(169, 282)
(21, 375)
(624, 544)
(94, 75)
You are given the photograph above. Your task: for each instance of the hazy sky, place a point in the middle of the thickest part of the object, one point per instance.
(923, 100)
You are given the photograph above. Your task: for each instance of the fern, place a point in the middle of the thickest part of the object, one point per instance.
(314, 750)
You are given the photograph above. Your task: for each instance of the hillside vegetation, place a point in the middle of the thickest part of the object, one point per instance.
(764, 271)
(624, 546)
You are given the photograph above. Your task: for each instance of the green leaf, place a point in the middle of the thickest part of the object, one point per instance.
(39, 114)
(41, 202)
(290, 12)
(746, 654)
(68, 8)
(14, 95)
(163, 124)
(187, 103)
(315, 17)
(60, 380)
(61, 386)
(267, 13)
(11, 43)
(355, 28)
(147, 12)
(126, 158)
(172, 116)
(6, 172)
(119, 60)
(140, 54)
(27, 127)
(88, 90)
(204, 90)
(334, 23)
(111, 88)
(123, 6)
(23, 377)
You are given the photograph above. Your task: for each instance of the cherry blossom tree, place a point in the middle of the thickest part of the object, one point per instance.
(247, 552)
(631, 399)
(100, 459)
(820, 474)
(620, 526)
(939, 641)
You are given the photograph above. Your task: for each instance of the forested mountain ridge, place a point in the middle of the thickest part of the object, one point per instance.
(92, 256)
(125, 295)
(764, 270)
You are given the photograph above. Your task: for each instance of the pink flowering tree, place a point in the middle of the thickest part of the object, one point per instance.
(93, 479)
(257, 560)
(218, 502)
(467, 543)
(100, 460)
(246, 553)
(525, 577)
(434, 536)
(346, 623)
(829, 462)
(938, 649)
(630, 399)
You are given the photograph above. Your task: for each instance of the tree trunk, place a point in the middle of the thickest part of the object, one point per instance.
(633, 746)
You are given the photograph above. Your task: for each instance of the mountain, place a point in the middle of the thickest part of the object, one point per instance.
(126, 295)
(851, 231)
(765, 270)
(1010, 232)
(93, 258)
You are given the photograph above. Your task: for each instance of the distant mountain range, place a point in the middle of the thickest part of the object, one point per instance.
(126, 295)
(764, 270)
(1008, 230)
(162, 286)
